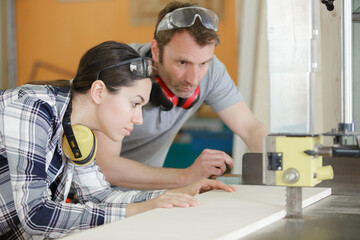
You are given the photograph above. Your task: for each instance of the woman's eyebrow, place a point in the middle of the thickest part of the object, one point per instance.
(142, 99)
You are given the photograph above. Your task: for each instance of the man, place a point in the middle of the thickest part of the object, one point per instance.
(186, 74)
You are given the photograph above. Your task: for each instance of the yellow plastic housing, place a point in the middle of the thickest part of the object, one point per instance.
(87, 144)
(309, 168)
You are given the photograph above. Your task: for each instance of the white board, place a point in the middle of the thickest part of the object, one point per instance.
(221, 215)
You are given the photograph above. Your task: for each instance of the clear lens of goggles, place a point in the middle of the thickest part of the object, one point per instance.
(185, 17)
(142, 67)
(138, 66)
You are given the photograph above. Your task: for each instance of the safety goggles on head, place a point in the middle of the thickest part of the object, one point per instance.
(139, 66)
(185, 17)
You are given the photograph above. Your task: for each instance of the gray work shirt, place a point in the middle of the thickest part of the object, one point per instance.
(149, 143)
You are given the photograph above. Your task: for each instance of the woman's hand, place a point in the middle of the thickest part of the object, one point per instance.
(168, 199)
(179, 197)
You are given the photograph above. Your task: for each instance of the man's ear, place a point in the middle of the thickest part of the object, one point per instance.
(98, 91)
(155, 51)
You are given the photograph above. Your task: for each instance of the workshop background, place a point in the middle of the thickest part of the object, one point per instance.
(44, 40)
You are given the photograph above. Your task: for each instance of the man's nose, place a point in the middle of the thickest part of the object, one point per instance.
(192, 76)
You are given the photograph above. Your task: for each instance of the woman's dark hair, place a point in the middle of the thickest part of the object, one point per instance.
(201, 34)
(95, 61)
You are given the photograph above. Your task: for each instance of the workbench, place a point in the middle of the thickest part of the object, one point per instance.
(221, 215)
(254, 212)
(335, 217)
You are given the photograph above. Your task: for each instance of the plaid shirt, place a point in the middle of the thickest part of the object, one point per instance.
(35, 177)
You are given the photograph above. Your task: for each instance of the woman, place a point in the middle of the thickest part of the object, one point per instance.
(47, 147)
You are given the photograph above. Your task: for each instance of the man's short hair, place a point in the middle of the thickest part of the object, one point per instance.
(201, 34)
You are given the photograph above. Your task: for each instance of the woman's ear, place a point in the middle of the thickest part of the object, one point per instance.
(98, 91)
(155, 51)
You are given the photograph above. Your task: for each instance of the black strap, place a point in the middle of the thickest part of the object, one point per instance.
(69, 134)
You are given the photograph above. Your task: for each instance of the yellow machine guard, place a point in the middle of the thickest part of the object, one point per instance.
(309, 169)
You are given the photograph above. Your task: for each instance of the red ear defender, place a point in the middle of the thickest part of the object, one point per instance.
(162, 97)
(190, 101)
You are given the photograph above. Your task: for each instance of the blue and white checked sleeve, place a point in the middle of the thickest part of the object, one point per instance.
(32, 133)
(91, 186)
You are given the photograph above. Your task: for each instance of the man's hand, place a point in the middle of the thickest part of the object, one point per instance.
(202, 186)
(183, 197)
(210, 163)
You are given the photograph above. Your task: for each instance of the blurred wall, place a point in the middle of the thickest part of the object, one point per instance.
(52, 35)
(7, 45)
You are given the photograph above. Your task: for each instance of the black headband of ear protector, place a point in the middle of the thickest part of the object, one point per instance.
(80, 152)
(69, 134)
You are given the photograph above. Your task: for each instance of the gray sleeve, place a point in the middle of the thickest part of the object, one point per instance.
(220, 88)
(142, 48)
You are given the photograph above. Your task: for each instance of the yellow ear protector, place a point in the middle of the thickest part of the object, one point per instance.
(79, 142)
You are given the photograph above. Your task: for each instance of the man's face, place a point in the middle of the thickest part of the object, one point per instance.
(184, 64)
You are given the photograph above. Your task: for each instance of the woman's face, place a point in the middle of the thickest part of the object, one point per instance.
(119, 112)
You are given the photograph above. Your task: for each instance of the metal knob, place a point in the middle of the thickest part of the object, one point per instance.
(291, 176)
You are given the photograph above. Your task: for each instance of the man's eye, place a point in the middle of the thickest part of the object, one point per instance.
(204, 64)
